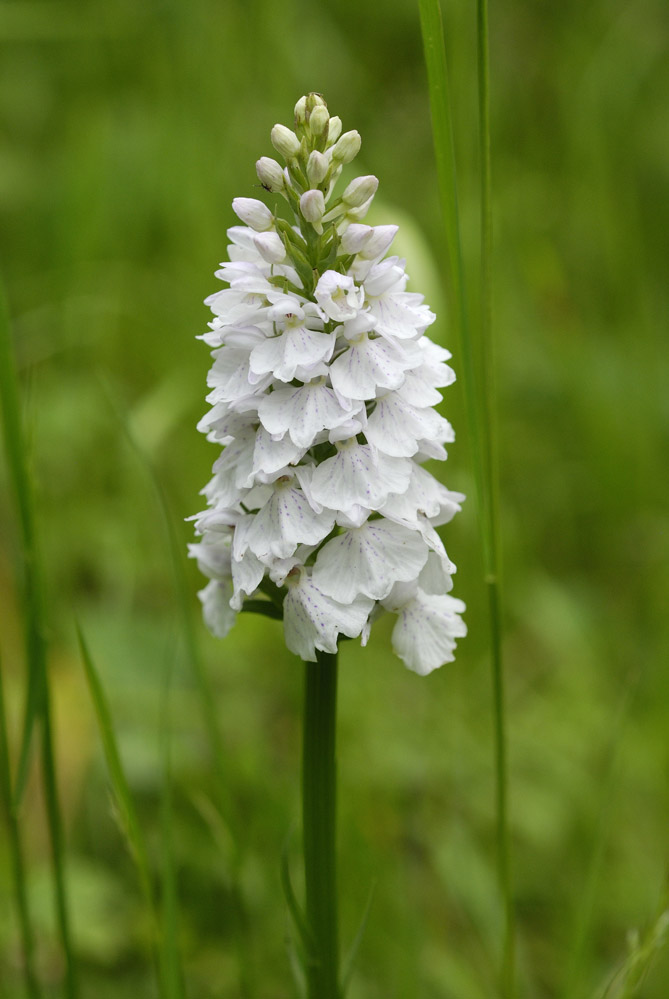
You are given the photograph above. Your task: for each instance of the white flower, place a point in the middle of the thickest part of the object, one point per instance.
(321, 397)
(313, 621)
(396, 428)
(302, 412)
(398, 313)
(285, 520)
(426, 629)
(368, 364)
(369, 560)
(338, 296)
(358, 476)
(300, 348)
(216, 609)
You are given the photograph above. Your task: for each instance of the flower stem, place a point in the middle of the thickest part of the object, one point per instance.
(318, 824)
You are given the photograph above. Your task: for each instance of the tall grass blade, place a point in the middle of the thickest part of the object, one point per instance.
(591, 880)
(480, 396)
(170, 962)
(38, 706)
(490, 505)
(444, 152)
(128, 816)
(349, 962)
(205, 690)
(183, 596)
(33, 990)
(306, 950)
(32, 592)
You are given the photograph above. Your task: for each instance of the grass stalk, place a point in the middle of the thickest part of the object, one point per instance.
(480, 398)
(490, 506)
(171, 969)
(32, 987)
(207, 697)
(38, 701)
(319, 781)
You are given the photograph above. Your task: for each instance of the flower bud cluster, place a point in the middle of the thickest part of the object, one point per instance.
(322, 396)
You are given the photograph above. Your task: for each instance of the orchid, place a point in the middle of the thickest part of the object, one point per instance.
(323, 387)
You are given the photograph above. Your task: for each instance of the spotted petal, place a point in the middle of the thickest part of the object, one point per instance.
(370, 364)
(426, 631)
(302, 412)
(285, 521)
(313, 621)
(368, 560)
(358, 476)
(297, 349)
(396, 428)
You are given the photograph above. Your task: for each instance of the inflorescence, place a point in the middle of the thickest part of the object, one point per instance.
(323, 390)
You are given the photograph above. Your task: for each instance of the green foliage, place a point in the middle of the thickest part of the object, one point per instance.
(126, 131)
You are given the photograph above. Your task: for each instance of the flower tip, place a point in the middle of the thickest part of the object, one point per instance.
(285, 141)
(253, 213)
(360, 190)
(347, 147)
(312, 205)
(270, 174)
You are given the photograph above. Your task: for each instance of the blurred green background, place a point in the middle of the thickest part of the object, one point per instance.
(126, 130)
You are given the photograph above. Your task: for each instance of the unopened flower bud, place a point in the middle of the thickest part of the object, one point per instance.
(270, 174)
(317, 167)
(334, 130)
(270, 247)
(355, 238)
(301, 112)
(253, 213)
(285, 141)
(318, 120)
(359, 212)
(347, 147)
(379, 242)
(312, 206)
(360, 190)
(312, 101)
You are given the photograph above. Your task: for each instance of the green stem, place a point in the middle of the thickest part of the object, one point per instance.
(480, 396)
(57, 851)
(37, 711)
(318, 824)
(33, 990)
(490, 478)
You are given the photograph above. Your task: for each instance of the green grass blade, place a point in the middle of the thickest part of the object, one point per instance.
(38, 707)
(480, 396)
(490, 507)
(444, 151)
(171, 971)
(55, 825)
(349, 962)
(184, 602)
(205, 691)
(128, 815)
(33, 990)
(32, 592)
(306, 951)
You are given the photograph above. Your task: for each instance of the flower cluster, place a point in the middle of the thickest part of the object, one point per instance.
(322, 393)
